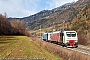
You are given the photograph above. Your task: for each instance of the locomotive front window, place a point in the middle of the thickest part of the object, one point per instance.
(68, 34)
(71, 34)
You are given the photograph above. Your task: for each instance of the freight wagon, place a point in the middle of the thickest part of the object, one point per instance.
(64, 38)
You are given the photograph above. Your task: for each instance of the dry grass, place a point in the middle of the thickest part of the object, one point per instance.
(22, 47)
(62, 52)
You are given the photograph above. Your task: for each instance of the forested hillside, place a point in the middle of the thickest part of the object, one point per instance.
(81, 22)
(67, 14)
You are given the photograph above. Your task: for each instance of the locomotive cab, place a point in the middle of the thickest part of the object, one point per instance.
(70, 38)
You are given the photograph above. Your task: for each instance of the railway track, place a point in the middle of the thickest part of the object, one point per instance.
(81, 48)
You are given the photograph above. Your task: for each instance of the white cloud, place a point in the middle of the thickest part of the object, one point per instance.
(18, 8)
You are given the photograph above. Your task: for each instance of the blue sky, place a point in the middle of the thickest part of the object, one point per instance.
(23, 8)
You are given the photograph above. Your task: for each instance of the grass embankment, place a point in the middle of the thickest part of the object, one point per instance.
(65, 54)
(22, 47)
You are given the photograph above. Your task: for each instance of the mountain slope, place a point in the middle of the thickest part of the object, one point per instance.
(56, 18)
(45, 14)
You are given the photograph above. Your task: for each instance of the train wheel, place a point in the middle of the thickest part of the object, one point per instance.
(76, 46)
(63, 44)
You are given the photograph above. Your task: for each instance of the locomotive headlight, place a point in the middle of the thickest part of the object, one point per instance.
(76, 41)
(67, 41)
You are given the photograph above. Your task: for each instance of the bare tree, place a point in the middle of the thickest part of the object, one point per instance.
(13, 27)
(5, 14)
(18, 26)
(5, 26)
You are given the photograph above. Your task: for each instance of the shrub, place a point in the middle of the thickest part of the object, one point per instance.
(82, 39)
